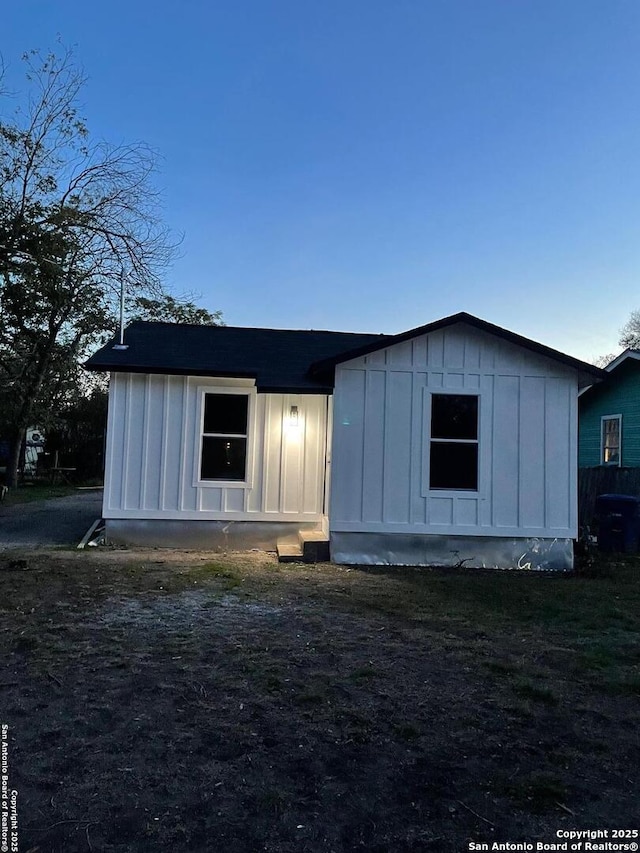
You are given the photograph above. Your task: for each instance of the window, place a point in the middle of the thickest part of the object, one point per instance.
(453, 452)
(610, 440)
(224, 437)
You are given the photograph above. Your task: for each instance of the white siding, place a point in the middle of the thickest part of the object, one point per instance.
(527, 439)
(153, 444)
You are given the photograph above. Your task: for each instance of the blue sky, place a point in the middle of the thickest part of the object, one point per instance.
(372, 166)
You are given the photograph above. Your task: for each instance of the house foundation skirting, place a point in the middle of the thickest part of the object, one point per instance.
(404, 549)
(202, 535)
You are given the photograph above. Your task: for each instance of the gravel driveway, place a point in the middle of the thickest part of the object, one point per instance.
(58, 521)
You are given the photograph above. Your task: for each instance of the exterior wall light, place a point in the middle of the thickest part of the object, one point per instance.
(294, 417)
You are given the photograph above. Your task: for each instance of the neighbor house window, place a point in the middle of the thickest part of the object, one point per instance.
(224, 437)
(611, 438)
(453, 453)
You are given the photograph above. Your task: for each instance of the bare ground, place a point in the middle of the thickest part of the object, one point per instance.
(183, 701)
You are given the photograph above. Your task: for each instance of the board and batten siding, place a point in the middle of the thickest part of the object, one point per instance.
(527, 439)
(619, 394)
(153, 444)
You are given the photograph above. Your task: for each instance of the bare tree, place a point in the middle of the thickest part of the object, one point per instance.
(603, 360)
(75, 217)
(630, 332)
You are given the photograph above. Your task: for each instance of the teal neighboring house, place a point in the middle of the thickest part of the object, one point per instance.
(609, 425)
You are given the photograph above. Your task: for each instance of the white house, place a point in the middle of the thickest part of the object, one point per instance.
(452, 444)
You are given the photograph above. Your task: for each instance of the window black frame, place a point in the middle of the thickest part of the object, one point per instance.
(454, 447)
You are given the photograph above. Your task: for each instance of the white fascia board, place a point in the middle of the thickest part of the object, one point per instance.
(628, 353)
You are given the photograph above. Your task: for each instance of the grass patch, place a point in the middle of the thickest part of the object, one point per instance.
(623, 686)
(273, 684)
(610, 664)
(30, 493)
(218, 570)
(501, 667)
(570, 628)
(228, 577)
(526, 689)
(407, 731)
(310, 697)
(538, 792)
(274, 802)
(363, 673)
(486, 599)
(597, 657)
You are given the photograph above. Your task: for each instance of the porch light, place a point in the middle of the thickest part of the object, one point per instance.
(294, 417)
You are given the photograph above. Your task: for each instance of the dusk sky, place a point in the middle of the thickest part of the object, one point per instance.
(372, 166)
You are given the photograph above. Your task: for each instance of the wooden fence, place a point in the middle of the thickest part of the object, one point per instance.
(603, 481)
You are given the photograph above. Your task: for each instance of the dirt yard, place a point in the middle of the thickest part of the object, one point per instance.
(175, 701)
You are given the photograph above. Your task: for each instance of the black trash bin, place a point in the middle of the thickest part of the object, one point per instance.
(618, 523)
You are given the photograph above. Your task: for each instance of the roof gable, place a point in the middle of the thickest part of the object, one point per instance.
(615, 371)
(627, 355)
(588, 371)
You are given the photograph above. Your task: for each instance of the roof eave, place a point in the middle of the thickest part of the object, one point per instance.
(166, 371)
(632, 354)
(261, 387)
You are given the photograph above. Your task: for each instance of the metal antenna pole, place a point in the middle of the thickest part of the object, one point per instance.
(121, 344)
(121, 308)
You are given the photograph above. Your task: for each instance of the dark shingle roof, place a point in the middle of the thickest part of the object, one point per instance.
(278, 359)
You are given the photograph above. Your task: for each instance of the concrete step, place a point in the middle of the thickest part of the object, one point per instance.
(312, 536)
(311, 546)
(289, 551)
(315, 546)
